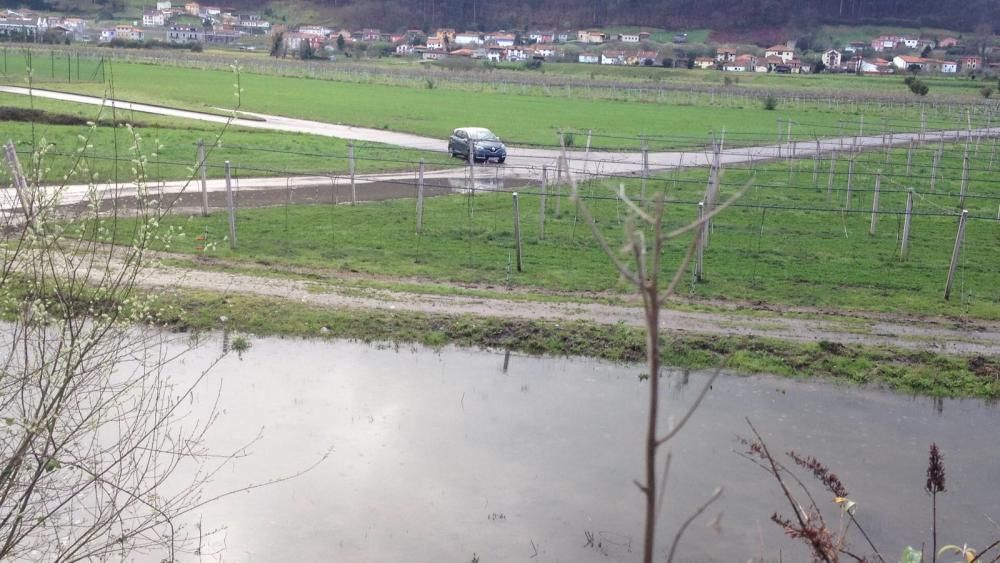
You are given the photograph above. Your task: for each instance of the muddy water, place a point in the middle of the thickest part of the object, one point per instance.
(440, 456)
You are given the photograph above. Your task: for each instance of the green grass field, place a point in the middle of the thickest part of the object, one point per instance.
(253, 152)
(784, 243)
(520, 119)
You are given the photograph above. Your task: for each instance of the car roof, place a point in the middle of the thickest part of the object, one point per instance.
(474, 129)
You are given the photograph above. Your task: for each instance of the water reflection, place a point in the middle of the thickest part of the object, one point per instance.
(439, 455)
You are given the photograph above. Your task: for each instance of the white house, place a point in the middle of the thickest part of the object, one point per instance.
(163, 5)
(435, 43)
(589, 58)
(178, 34)
(320, 30)
(544, 51)
(780, 51)
(494, 54)
(515, 53)
(468, 38)
(949, 67)
(613, 58)
(725, 55)
(832, 58)
(504, 39)
(152, 18)
(628, 37)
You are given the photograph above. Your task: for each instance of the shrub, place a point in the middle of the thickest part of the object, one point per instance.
(770, 103)
(533, 64)
(916, 85)
(986, 91)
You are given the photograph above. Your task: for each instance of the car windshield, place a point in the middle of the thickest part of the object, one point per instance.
(482, 135)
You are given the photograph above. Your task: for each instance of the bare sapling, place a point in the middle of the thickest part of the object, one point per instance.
(640, 264)
(100, 455)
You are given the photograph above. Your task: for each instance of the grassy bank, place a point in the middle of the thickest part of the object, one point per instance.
(906, 372)
(787, 242)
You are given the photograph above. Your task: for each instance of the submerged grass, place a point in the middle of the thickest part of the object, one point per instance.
(902, 371)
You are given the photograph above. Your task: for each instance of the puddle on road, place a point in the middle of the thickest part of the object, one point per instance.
(441, 455)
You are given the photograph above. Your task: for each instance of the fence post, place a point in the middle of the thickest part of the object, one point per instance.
(351, 167)
(699, 265)
(993, 153)
(923, 123)
(777, 139)
(517, 233)
(965, 180)
(955, 253)
(420, 197)
(850, 180)
(557, 186)
(645, 170)
(830, 178)
(586, 156)
(203, 170)
(909, 158)
(904, 244)
(18, 180)
(230, 207)
(816, 166)
(875, 194)
(541, 205)
(934, 168)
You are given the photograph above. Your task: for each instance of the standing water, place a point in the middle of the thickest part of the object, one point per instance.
(443, 456)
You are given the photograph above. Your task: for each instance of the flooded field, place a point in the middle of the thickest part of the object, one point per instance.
(445, 456)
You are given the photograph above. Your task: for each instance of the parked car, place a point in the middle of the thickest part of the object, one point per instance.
(487, 145)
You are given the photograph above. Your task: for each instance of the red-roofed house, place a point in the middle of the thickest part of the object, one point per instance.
(780, 51)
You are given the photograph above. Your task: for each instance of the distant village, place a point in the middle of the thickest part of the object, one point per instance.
(194, 24)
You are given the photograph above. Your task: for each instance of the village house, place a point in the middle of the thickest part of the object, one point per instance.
(494, 54)
(184, 34)
(948, 42)
(434, 55)
(563, 36)
(468, 38)
(516, 54)
(320, 30)
(192, 8)
(780, 51)
(613, 57)
(435, 43)
(501, 39)
(645, 58)
(405, 49)
(294, 41)
(949, 67)
(445, 33)
(542, 36)
(591, 36)
(370, 34)
(742, 63)
(970, 62)
(855, 47)
(589, 58)
(831, 58)
(544, 51)
(152, 18)
(725, 55)
(252, 24)
(628, 37)
(704, 63)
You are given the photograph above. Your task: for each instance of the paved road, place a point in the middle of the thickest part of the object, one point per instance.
(523, 164)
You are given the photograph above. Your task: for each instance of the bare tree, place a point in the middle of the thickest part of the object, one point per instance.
(100, 451)
(640, 264)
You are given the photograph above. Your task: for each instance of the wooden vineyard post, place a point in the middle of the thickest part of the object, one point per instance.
(934, 168)
(645, 171)
(850, 180)
(699, 265)
(541, 202)
(875, 194)
(18, 180)
(909, 159)
(230, 208)
(816, 159)
(203, 171)
(830, 178)
(420, 197)
(517, 234)
(351, 167)
(965, 181)
(904, 243)
(955, 253)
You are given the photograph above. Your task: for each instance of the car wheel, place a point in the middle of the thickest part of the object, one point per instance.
(500, 160)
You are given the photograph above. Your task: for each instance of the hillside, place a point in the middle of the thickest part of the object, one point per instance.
(669, 14)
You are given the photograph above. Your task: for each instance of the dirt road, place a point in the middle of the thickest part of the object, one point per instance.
(797, 325)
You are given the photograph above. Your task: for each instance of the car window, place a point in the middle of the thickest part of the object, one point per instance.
(460, 134)
(484, 136)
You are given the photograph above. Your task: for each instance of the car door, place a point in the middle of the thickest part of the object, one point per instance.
(461, 142)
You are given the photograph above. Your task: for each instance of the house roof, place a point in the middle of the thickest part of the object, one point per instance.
(774, 59)
(913, 60)
(779, 48)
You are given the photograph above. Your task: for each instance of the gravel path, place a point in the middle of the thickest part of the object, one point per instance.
(939, 335)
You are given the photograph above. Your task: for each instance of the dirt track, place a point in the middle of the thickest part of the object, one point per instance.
(799, 325)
